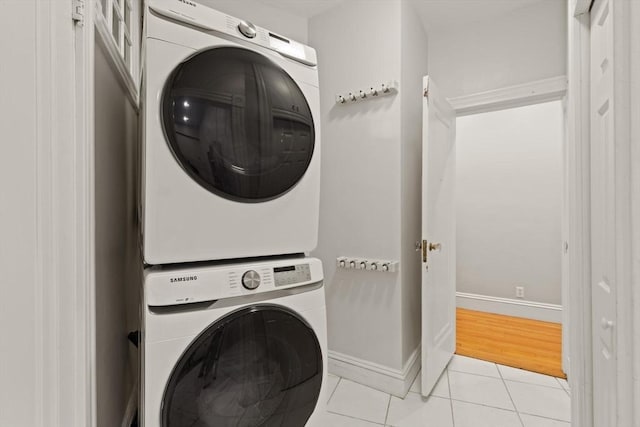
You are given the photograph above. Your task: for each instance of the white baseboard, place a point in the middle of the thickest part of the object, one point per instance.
(510, 307)
(393, 381)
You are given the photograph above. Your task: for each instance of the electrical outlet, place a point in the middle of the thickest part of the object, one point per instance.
(519, 291)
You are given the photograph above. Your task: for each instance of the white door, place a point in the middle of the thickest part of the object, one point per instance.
(438, 235)
(603, 214)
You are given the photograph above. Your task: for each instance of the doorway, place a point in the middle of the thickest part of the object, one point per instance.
(509, 208)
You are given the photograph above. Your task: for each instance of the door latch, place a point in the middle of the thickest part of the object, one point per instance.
(424, 251)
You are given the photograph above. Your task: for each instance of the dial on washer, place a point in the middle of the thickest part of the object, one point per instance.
(251, 279)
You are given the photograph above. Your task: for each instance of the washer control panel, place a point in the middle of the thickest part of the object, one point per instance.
(168, 285)
(251, 280)
(291, 274)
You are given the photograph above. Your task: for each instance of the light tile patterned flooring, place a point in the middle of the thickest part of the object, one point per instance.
(470, 393)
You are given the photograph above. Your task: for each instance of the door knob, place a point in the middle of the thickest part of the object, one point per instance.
(434, 247)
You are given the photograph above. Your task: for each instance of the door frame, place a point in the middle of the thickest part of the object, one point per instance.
(577, 301)
(583, 392)
(579, 152)
(64, 263)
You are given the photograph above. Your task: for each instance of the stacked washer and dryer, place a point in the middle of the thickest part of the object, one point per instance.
(233, 314)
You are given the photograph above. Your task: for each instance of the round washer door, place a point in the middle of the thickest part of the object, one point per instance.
(238, 124)
(260, 366)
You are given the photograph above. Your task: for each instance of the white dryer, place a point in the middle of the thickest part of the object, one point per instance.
(234, 345)
(231, 144)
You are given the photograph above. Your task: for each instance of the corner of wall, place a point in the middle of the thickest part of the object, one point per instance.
(414, 66)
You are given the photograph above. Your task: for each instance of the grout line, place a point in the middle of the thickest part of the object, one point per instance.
(515, 381)
(333, 392)
(431, 395)
(510, 397)
(474, 373)
(547, 418)
(566, 390)
(354, 418)
(453, 417)
(485, 405)
(386, 416)
(536, 384)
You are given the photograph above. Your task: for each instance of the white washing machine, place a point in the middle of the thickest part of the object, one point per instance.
(234, 345)
(231, 144)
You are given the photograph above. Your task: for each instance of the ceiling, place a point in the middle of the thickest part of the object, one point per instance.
(305, 8)
(438, 14)
(435, 14)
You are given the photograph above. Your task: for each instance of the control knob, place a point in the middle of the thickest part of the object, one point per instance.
(247, 29)
(251, 280)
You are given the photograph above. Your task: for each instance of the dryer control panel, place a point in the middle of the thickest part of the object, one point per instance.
(203, 17)
(291, 274)
(164, 286)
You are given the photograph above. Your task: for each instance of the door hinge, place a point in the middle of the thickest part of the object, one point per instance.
(77, 11)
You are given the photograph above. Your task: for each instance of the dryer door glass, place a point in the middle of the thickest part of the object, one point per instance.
(260, 366)
(238, 124)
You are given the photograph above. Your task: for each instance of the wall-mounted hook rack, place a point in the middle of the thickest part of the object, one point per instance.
(379, 265)
(372, 92)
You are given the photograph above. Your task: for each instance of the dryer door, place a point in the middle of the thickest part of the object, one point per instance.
(238, 124)
(260, 366)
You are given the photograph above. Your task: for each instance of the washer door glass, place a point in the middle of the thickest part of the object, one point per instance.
(238, 124)
(261, 366)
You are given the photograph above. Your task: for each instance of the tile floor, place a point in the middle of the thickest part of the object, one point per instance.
(470, 393)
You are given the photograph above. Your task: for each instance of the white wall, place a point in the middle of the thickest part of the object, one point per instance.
(525, 45)
(361, 177)
(509, 198)
(117, 262)
(18, 225)
(370, 192)
(274, 19)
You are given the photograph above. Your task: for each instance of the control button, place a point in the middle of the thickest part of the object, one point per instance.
(251, 279)
(247, 29)
(385, 267)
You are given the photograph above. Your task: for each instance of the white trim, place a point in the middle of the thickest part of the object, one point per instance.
(510, 307)
(625, 340)
(106, 42)
(85, 221)
(393, 381)
(64, 257)
(635, 200)
(579, 236)
(510, 97)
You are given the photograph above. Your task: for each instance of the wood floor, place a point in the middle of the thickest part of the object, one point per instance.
(513, 341)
